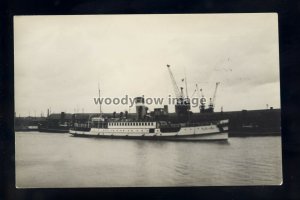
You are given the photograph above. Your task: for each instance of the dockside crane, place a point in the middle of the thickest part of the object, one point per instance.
(178, 93)
(196, 91)
(213, 99)
(200, 92)
(182, 106)
(201, 96)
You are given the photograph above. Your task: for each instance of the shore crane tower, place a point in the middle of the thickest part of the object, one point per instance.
(182, 105)
(211, 105)
(201, 96)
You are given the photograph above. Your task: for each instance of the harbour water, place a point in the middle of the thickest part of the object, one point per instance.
(49, 160)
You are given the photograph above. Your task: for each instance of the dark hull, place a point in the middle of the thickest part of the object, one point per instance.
(53, 130)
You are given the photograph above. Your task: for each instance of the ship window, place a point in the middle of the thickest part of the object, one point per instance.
(139, 123)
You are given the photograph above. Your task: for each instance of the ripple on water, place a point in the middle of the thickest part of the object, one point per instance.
(59, 160)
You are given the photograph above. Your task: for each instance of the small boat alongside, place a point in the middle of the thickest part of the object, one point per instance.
(56, 123)
(54, 129)
(62, 128)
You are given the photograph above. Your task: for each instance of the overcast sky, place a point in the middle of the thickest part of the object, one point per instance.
(60, 59)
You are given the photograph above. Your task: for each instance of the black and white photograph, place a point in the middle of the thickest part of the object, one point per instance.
(147, 100)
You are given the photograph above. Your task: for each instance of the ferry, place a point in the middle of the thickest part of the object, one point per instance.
(152, 130)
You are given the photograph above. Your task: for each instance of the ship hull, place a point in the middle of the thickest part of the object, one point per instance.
(194, 137)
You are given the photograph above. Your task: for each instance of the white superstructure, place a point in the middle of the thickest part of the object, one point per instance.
(156, 130)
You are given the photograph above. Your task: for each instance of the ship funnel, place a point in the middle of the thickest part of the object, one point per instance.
(141, 109)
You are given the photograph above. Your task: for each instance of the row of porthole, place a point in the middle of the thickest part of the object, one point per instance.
(205, 128)
(199, 128)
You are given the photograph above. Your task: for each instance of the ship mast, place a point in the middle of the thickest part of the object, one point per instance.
(186, 89)
(100, 110)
